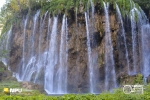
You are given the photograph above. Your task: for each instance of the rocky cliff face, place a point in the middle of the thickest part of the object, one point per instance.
(78, 71)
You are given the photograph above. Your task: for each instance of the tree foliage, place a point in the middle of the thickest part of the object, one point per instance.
(16, 9)
(145, 4)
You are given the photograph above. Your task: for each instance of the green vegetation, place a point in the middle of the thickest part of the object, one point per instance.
(14, 84)
(9, 84)
(1, 69)
(14, 10)
(3, 54)
(145, 4)
(116, 95)
(138, 79)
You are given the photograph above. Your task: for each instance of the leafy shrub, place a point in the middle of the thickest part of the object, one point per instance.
(138, 79)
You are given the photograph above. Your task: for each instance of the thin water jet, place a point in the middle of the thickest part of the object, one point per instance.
(110, 74)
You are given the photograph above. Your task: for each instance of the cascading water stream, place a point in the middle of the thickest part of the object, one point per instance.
(124, 38)
(5, 45)
(76, 80)
(35, 19)
(56, 68)
(143, 31)
(92, 5)
(49, 83)
(61, 73)
(145, 40)
(48, 32)
(89, 54)
(40, 61)
(9, 33)
(29, 67)
(134, 41)
(92, 54)
(41, 34)
(66, 68)
(110, 75)
(92, 25)
(20, 77)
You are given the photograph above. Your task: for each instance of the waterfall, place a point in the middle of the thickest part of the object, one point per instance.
(9, 33)
(41, 33)
(89, 54)
(124, 38)
(76, 80)
(3, 43)
(29, 67)
(66, 59)
(35, 19)
(61, 73)
(110, 75)
(50, 67)
(92, 25)
(49, 83)
(48, 32)
(145, 40)
(134, 41)
(92, 69)
(56, 68)
(139, 21)
(92, 5)
(92, 54)
(8, 44)
(49, 52)
(143, 31)
(40, 61)
(77, 35)
(23, 52)
(21, 69)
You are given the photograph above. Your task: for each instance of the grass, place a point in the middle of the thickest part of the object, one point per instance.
(117, 94)
(9, 84)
